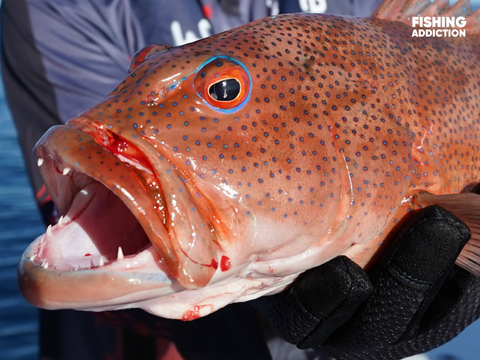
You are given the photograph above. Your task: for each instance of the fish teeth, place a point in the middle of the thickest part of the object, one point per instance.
(101, 263)
(45, 265)
(60, 220)
(40, 162)
(32, 258)
(120, 253)
(49, 230)
(66, 171)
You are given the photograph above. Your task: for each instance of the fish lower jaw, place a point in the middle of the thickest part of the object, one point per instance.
(147, 260)
(96, 257)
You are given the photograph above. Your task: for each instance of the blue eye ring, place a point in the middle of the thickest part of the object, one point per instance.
(223, 68)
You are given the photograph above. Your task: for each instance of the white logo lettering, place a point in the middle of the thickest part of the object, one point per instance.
(273, 6)
(179, 38)
(177, 34)
(461, 21)
(313, 6)
(438, 26)
(204, 28)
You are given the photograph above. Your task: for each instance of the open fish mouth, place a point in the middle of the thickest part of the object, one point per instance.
(113, 231)
(97, 229)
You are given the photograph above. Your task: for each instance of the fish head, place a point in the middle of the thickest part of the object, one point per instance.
(207, 165)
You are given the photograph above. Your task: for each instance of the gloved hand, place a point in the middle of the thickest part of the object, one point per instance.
(414, 300)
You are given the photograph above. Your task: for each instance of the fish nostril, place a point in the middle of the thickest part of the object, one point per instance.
(151, 100)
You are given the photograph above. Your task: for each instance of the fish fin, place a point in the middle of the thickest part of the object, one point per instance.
(473, 22)
(397, 10)
(400, 10)
(465, 206)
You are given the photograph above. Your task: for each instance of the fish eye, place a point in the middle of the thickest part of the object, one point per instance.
(225, 90)
(223, 83)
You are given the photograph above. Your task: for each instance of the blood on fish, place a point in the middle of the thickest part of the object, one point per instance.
(192, 314)
(57, 169)
(213, 264)
(225, 263)
(79, 213)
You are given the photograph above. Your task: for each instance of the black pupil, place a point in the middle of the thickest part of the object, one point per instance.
(225, 90)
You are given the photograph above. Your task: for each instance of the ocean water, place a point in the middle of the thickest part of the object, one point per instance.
(19, 224)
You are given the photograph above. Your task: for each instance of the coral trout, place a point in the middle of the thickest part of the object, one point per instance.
(218, 171)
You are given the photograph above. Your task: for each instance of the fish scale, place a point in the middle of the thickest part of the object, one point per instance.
(338, 127)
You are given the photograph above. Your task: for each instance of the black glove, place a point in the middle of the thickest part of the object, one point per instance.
(414, 300)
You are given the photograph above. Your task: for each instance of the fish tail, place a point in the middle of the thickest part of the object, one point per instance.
(403, 11)
(465, 206)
